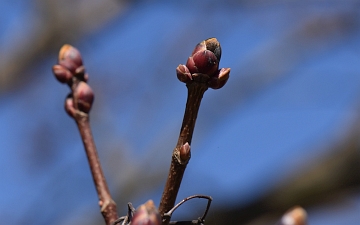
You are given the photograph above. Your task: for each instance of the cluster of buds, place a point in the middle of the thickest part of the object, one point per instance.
(203, 65)
(70, 70)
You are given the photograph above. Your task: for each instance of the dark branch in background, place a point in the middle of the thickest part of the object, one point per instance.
(71, 71)
(201, 71)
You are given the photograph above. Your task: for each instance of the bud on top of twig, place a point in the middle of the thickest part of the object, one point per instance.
(146, 214)
(70, 58)
(69, 65)
(204, 62)
(203, 59)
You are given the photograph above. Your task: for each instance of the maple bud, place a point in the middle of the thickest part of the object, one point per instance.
(84, 96)
(220, 79)
(70, 58)
(203, 65)
(62, 74)
(146, 214)
(183, 73)
(203, 59)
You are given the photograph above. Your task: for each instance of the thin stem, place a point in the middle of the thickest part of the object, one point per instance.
(106, 203)
(178, 164)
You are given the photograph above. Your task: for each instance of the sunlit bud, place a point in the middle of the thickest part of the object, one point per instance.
(146, 214)
(213, 45)
(84, 96)
(220, 79)
(62, 74)
(183, 73)
(70, 58)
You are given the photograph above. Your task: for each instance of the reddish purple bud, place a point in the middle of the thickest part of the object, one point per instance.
(70, 58)
(183, 73)
(185, 152)
(220, 79)
(205, 58)
(146, 214)
(199, 47)
(62, 74)
(84, 96)
(69, 107)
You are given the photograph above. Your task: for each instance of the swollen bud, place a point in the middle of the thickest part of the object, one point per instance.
(70, 58)
(204, 62)
(62, 74)
(146, 214)
(203, 65)
(205, 58)
(84, 96)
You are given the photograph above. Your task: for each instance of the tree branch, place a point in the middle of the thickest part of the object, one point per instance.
(200, 72)
(70, 71)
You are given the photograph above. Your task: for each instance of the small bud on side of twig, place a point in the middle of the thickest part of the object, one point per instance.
(295, 216)
(185, 153)
(62, 74)
(183, 74)
(84, 96)
(69, 106)
(220, 79)
(146, 214)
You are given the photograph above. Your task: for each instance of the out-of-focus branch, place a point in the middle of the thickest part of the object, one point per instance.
(71, 71)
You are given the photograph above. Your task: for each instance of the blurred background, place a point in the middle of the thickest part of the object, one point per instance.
(282, 132)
